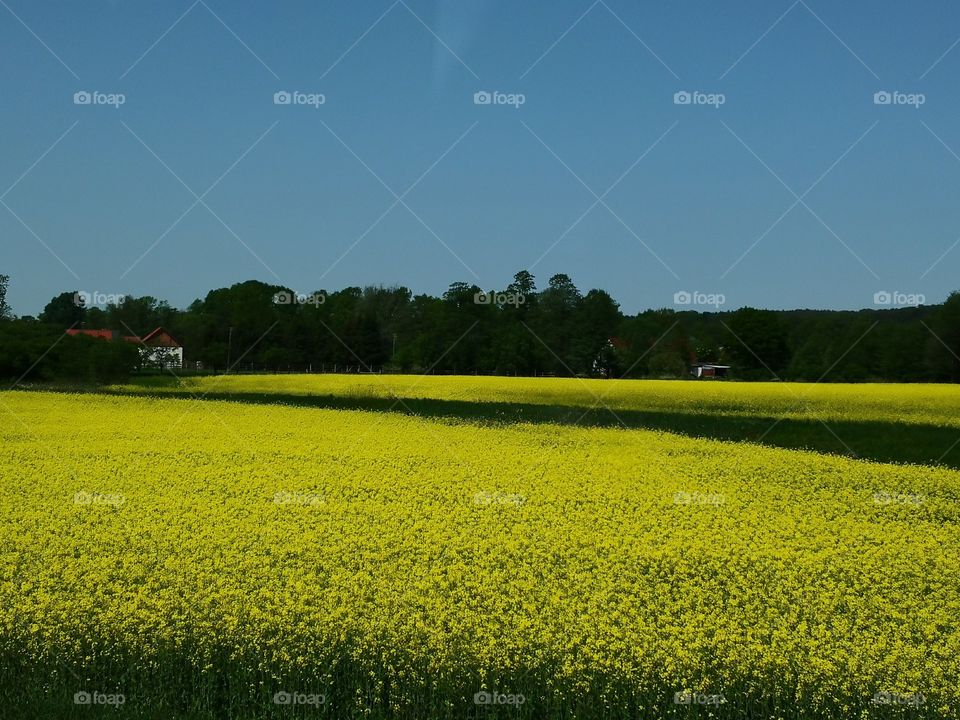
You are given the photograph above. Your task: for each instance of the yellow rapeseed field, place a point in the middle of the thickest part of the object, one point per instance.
(184, 558)
(927, 404)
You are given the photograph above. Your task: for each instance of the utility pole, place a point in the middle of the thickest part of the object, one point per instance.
(229, 348)
(394, 347)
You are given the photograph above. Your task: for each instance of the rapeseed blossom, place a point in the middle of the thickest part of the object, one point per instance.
(222, 555)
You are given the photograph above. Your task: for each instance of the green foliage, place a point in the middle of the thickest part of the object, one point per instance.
(33, 352)
(64, 311)
(5, 312)
(557, 331)
(669, 365)
(759, 346)
(943, 342)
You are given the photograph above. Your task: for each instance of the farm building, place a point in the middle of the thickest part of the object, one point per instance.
(709, 370)
(161, 349)
(158, 348)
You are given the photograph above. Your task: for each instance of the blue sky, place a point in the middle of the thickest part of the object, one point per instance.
(704, 197)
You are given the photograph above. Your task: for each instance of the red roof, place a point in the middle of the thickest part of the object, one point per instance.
(160, 337)
(105, 334)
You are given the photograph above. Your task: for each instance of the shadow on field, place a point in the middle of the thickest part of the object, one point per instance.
(870, 440)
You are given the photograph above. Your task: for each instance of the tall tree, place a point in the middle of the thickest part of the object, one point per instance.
(64, 310)
(759, 347)
(523, 283)
(555, 324)
(596, 321)
(138, 315)
(5, 311)
(943, 347)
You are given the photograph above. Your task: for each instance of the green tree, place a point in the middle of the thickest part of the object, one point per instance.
(525, 284)
(138, 315)
(5, 312)
(32, 352)
(554, 325)
(596, 320)
(943, 347)
(64, 311)
(759, 347)
(668, 363)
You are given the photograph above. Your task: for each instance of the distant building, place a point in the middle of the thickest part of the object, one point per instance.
(158, 348)
(709, 370)
(161, 349)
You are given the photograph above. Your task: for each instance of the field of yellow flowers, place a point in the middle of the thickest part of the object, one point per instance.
(886, 422)
(163, 557)
(884, 402)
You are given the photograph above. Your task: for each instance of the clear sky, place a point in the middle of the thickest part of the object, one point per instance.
(797, 191)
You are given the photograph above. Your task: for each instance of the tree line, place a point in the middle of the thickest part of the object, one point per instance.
(520, 330)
